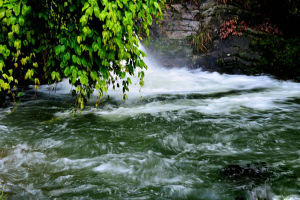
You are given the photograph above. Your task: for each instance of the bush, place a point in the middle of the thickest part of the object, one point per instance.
(86, 41)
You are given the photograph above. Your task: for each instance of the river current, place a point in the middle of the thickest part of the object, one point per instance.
(187, 134)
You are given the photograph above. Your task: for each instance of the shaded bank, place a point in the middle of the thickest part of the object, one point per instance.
(236, 37)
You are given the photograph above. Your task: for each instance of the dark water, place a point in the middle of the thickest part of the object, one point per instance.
(192, 135)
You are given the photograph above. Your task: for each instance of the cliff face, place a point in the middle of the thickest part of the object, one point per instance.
(169, 38)
(217, 36)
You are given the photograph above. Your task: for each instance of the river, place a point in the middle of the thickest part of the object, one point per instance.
(187, 134)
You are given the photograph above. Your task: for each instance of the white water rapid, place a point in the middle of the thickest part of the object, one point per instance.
(181, 136)
(235, 91)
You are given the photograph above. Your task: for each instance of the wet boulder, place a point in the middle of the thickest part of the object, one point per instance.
(256, 171)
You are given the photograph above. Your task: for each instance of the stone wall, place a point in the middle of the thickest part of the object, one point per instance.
(170, 37)
(234, 54)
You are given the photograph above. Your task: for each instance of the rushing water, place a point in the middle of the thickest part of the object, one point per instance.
(184, 135)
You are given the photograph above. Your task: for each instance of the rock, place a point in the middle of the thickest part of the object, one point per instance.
(207, 62)
(177, 7)
(182, 25)
(255, 171)
(178, 35)
(207, 21)
(233, 55)
(209, 12)
(191, 7)
(208, 4)
(178, 23)
(195, 12)
(188, 16)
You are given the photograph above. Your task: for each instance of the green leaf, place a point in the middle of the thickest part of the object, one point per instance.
(89, 11)
(74, 58)
(84, 79)
(21, 21)
(62, 48)
(141, 83)
(2, 13)
(35, 64)
(79, 39)
(17, 44)
(1, 66)
(129, 80)
(72, 8)
(95, 46)
(74, 73)
(25, 9)
(96, 11)
(86, 5)
(67, 56)
(57, 50)
(94, 75)
(67, 71)
(83, 20)
(53, 75)
(29, 74)
(125, 97)
(17, 9)
(20, 94)
(122, 75)
(16, 28)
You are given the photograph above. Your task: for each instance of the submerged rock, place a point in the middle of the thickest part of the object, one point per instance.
(257, 171)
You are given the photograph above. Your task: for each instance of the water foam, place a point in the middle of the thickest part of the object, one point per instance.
(229, 93)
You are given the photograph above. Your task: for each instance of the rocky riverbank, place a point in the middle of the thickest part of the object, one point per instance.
(227, 37)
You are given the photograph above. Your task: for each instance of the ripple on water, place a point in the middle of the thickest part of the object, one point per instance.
(169, 144)
(72, 190)
(3, 128)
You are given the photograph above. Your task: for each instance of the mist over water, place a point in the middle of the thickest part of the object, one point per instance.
(182, 136)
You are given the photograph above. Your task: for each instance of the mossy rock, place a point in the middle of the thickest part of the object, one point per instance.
(280, 56)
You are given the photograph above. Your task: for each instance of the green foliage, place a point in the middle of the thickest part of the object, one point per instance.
(83, 40)
(201, 41)
(2, 193)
